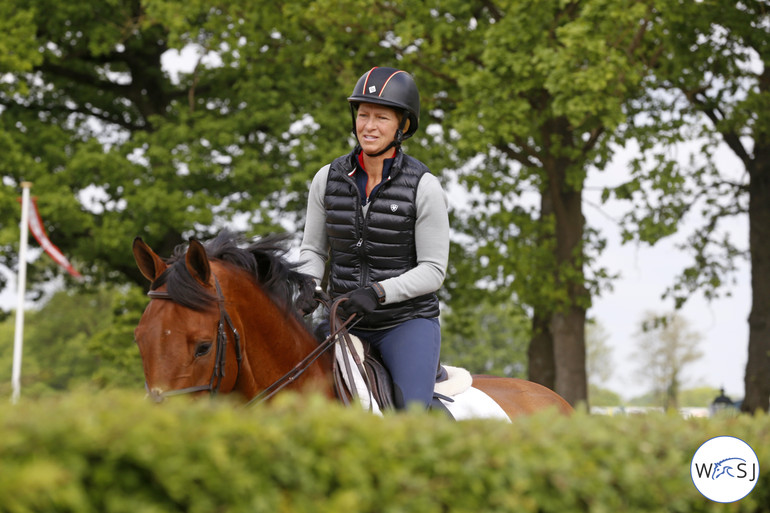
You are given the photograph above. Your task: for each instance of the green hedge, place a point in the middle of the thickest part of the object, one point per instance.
(114, 452)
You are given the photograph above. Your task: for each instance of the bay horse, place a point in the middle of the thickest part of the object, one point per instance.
(224, 318)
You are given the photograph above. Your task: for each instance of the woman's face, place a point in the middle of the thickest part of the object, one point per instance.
(376, 126)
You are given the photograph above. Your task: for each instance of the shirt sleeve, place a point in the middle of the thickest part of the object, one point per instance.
(432, 245)
(314, 250)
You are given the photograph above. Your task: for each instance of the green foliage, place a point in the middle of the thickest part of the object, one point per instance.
(708, 90)
(77, 339)
(115, 453)
(487, 338)
(538, 100)
(239, 133)
(598, 396)
(16, 50)
(105, 130)
(700, 396)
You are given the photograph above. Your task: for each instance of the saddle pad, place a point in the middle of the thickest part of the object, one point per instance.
(474, 404)
(458, 381)
(470, 404)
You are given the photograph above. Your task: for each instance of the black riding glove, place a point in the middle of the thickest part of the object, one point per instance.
(308, 297)
(307, 305)
(360, 301)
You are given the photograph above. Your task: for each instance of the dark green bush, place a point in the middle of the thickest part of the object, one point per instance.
(113, 452)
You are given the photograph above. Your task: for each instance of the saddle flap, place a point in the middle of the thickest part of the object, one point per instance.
(374, 387)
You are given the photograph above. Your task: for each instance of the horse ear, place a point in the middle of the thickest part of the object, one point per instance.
(197, 262)
(150, 264)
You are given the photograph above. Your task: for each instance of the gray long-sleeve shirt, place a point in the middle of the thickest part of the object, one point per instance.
(431, 240)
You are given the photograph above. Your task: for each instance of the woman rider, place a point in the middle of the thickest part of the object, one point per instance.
(380, 218)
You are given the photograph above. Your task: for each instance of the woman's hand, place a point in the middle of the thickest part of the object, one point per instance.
(360, 301)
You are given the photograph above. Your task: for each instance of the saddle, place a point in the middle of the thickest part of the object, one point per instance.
(358, 371)
(377, 382)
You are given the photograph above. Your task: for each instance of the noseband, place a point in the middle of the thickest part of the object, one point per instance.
(218, 374)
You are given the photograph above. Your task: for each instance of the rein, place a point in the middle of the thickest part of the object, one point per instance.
(218, 374)
(306, 362)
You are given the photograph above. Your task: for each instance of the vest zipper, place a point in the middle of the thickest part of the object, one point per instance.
(364, 265)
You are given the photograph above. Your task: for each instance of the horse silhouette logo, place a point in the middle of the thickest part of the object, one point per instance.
(724, 469)
(721, 468)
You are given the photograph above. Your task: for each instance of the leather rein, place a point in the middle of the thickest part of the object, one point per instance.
(218, 372)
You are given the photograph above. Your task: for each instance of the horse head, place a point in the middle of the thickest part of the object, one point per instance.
(184, 333)
(216, 312)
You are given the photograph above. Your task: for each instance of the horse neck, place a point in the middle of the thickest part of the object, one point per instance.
(273, 341)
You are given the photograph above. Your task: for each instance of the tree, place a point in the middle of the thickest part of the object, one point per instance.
(486, 338)
(536, 92)
(598, 354)
(117, 146)
(79, 339)
(604, 397)
(599, 366)
(665, 347)
(712, 85)
(524, 97)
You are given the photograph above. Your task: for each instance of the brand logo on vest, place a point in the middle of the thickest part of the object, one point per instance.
(393, 207)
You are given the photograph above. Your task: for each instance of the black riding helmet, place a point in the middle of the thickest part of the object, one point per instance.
(393, 88)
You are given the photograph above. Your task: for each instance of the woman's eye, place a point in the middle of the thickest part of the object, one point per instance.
(202, 349)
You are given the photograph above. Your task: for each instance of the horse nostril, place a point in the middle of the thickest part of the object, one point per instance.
(156, 394)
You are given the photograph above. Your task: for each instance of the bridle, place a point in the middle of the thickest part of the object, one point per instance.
(218, 374)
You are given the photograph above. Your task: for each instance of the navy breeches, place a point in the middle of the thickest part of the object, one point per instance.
(410, 351)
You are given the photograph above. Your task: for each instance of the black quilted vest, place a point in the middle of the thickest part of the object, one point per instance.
(380, 245)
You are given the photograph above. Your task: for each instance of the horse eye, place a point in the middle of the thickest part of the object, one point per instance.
(202, 349)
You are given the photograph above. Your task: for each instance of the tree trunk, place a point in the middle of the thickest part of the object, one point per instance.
(568, 319)
(568, 330)
(757, 378)
(540, 357)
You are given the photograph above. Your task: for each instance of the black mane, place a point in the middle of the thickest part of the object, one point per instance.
(264, 259)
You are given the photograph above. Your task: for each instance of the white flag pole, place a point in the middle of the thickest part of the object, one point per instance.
(21, 279)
